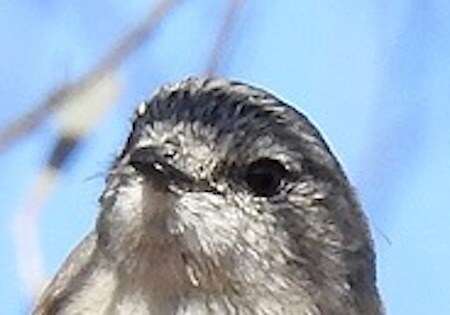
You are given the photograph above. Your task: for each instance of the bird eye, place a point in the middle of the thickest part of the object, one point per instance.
(265, 176)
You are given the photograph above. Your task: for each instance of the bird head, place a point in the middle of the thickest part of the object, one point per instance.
(234, 192)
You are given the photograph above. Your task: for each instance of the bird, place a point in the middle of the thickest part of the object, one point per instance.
(224, 200)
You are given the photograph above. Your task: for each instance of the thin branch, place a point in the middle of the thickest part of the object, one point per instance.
(222, 38)
(111, 61)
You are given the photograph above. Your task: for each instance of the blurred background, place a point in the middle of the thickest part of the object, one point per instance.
(373, 75)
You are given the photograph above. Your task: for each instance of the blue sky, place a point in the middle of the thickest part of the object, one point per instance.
(373, 75)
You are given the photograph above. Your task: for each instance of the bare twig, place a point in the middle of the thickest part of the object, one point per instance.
(223, 37)
(112, 60)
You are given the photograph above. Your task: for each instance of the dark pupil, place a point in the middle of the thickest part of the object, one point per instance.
(264, 177)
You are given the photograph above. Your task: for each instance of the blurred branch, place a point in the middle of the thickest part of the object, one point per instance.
(223, 37)
(111, 61)
(80, 115)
